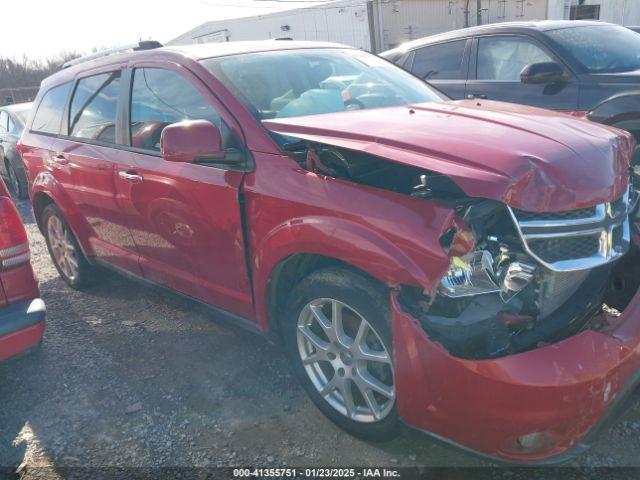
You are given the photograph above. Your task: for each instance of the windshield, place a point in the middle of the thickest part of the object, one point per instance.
(294, 83)
(601, 49)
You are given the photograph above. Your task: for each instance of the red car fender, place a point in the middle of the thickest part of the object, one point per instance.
(375, 255)
(46, 184)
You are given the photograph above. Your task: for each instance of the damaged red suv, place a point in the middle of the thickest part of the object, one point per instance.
(469, 268)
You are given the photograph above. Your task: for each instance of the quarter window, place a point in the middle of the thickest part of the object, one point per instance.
(94, 108)
(49, 115)
(503, 58)
(440, 62)
(161, 97)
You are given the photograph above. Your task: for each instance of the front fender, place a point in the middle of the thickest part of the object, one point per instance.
(347, 241)
(46, 184)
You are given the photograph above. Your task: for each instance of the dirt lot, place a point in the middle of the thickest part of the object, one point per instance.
(129, 376)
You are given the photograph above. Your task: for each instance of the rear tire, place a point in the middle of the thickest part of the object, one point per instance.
(337, 335)
(17, 187)
(65, 251)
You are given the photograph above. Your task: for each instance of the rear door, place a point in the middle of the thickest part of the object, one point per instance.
(187, 221)
(86, 157)
(496, 63)
(44, 129)
(443, 65)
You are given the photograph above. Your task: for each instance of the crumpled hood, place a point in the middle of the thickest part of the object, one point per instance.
(529, 158)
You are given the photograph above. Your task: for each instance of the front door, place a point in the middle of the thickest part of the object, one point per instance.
(187, 222)
(495, 74)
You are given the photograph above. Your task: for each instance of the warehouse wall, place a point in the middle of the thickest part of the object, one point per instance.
(410, 19)
(623, 12)
(345, 23)
(358, 22)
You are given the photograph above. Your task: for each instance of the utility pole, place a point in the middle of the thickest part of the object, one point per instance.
(466, 14)
(381, 26)
(479, 12)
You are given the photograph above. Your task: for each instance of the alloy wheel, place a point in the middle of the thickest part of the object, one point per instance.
(63, 248)
(346, 360)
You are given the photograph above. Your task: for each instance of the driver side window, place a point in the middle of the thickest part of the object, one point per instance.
(161, 97)
(502, 58)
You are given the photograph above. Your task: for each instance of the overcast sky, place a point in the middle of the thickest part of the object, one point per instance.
(41, 28)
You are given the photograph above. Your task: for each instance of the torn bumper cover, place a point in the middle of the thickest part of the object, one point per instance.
(539, 406)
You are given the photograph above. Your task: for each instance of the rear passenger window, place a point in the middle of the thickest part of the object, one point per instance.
(440, 62)
(49, 114)
(94, 108)
(161, 97)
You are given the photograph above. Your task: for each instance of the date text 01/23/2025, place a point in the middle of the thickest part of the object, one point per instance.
(369, 472)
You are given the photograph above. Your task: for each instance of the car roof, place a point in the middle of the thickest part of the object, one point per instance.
(193, 52)
(223, 49)
(504, 27)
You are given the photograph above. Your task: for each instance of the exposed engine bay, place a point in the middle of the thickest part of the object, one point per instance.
(517, 280)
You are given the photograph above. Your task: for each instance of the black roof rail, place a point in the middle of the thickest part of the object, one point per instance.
(142, 45)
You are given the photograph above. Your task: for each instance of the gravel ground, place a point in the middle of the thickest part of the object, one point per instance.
(130, 376)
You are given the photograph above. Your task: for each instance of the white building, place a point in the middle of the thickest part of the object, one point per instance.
(377, 25)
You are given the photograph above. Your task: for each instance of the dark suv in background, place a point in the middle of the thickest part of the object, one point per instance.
(584, 67)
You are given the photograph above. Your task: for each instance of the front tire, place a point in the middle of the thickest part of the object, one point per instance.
(65, 251)
(337, 335)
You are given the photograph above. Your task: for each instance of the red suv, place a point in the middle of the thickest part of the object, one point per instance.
(22, 312)
(469, 268)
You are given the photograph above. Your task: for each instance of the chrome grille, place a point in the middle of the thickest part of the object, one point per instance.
(576, 240)
(554, 250)
(524, 216)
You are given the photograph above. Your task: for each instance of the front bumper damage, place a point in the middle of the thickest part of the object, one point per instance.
(539, 406)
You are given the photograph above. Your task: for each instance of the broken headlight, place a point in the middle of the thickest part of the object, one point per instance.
(475, 274)
(469, 275)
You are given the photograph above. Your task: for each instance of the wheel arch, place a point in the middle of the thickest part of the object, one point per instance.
(621, 110)
(294, 268)
(45, 191)
(298, 248)
(40, 201)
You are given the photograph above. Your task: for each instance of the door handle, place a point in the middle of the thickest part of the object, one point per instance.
(473, 96)
(130, 176)
(60, 159)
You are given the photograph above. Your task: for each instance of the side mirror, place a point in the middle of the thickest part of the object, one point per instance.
(191, 140)
(543, 72)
